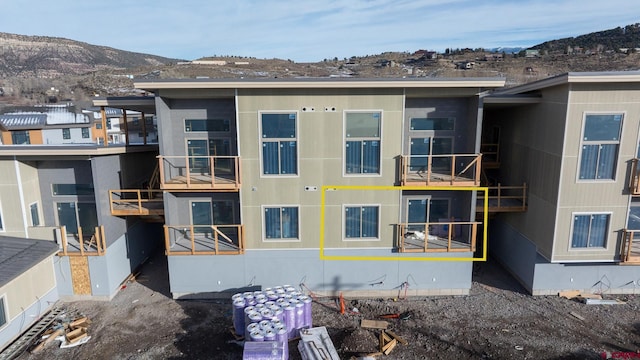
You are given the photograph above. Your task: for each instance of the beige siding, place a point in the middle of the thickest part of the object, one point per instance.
(27, 288)
(596, 196)
(320, 149)
(10, 207)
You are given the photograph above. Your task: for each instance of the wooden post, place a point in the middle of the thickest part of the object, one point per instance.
(429, 160)
(193, 240)
(80, 240)
(104, 126)
(63, 235)
(499, 196)
(139, 201)
(111, 200)
(453, 169)
(236, 161)
(126, 126)
(478, 169)
(213, 171)
(188, 171)
(450, 235)
(167, 245)
(161, 170)
(103, 239)
(144, 129)
(474, 234)
(215, 238)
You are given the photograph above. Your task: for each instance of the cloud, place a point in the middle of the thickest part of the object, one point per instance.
(310, 30)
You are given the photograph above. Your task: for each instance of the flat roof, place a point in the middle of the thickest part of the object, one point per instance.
(73, 149)
(144, 104)
(18, 255)
(575, 77)
(319, 83)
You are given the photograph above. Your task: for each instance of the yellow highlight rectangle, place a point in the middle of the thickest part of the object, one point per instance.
(326, 188)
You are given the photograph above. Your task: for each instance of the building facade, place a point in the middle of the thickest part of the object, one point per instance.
(574, 140)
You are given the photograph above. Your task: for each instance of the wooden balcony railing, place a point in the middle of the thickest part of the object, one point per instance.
(490, 155)
(452, 169)
(630, 251)
(136, 202)
(82, 244)
(504, 199)
(199, 173)
(456, 236)
(634, 182)
(204, 239)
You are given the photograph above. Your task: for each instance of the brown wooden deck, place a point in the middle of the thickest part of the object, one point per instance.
(213, 173)
(504, 199)
(136, 202)
(440, 237)
(630, 253)
(466, 171)
(79, 244)
(192, 240)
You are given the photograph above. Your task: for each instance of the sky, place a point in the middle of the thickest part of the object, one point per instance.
(311, 30)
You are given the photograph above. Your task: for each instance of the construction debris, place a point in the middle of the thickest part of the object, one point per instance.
(603, 302)
(374, 324)
(315, 344)
(576, 316)
(70, 330)
(388, 341)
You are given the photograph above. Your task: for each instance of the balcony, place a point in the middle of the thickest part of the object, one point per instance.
(490, 155)
(457, 236)
(504, 199)
(136, 202)
(630, 252)
(204, 239)
(199, 173)
(634, 182)
(440, 170)
(81, 243)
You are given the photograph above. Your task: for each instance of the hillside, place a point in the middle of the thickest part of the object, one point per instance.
(35, 69)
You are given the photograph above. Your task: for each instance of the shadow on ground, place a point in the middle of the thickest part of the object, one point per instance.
(491, 273)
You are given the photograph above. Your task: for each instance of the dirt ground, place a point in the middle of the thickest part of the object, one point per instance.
(498, 320)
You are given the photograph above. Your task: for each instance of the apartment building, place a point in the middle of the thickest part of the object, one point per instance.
(44, 124)
(366, 186)
(60, 192)
(573, 139)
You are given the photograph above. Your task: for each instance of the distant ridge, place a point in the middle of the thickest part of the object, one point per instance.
(44, 56)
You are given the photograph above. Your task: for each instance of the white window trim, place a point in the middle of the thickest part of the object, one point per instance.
(619, 142)
(590, 249)
(39, 214)
(344, 142)
(264, 224)
(344, 223)
(5, 309)
(297, 139)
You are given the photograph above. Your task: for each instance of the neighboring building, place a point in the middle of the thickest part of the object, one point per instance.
(573, 139)
(61, 193)
(243, 164)
(123, 126)
(27, 284)
(45, 124)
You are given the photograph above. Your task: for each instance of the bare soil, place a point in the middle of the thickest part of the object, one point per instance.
(498, 320)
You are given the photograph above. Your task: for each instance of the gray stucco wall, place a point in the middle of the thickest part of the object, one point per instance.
(267, 268)
(106, 176)
(512, 249)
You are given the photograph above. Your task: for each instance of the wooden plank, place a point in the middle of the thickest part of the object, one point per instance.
(374, 324)
(576, 316)
(76, 335)
(386, 337)
(387, 348)
(80, 278)
(81, 322)
(395, 336)
(46, 341)
(570, 294)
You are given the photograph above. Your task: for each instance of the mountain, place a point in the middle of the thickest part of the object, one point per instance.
(42, 56)
(627, 37)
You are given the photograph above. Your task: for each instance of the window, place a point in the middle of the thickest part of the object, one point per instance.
(281, 223)
(99, 126)
(362, 143)
(109, 124)
(136, 121)
(590, 231)
(3, 313)
(633, 221)
(20, 138)
(361, 222)
(220, 125)
(600, 143)
(148, 120)
(35, 217)
(66, 134)
(279, 144)
(432, 124)
(72, 189)
(85, 132)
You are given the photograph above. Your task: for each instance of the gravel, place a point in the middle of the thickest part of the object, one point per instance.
(498, 320)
